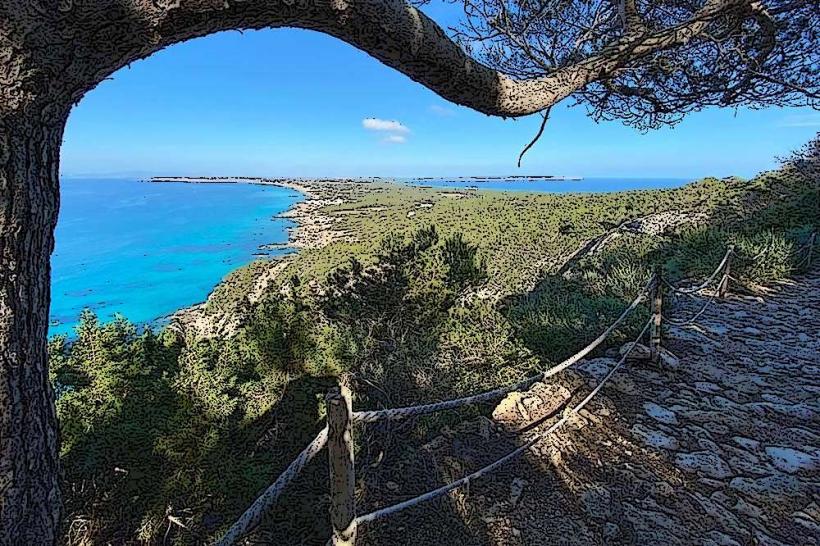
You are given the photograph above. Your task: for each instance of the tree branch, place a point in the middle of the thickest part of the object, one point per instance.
(392, 31)
(540, 132)
(630, 18)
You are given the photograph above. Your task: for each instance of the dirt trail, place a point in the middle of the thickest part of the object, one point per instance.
(719, 446)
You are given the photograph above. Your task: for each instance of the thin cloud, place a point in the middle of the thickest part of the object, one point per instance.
(809, 120)
(441, 111)
(376, 124)
(395, 139)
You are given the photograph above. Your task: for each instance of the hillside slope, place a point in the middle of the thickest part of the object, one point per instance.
(425, 295)
(718, 445)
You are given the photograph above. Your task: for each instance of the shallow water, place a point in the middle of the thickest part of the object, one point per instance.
(145, 249)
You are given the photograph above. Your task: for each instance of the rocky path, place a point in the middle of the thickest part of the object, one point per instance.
(720, 445)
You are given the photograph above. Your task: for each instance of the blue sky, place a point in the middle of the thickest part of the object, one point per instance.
(290, 102)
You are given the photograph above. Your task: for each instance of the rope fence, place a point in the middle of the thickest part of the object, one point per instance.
(338, 434)
(412, 411)
(254, 514)
(441, 491)
(709, 301)
(709, 279)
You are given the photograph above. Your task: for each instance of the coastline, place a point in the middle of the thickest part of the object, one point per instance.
(313, 228)
(319, 219)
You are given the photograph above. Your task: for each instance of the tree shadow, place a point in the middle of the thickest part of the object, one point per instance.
(204, 466)
(580, 489)
(157, 450)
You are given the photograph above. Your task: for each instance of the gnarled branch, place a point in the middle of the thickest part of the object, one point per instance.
(392, 31)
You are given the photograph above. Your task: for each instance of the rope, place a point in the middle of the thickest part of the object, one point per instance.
(411, 411)
(436, 493)
(705, 283)
(695, 317)
(253, 515)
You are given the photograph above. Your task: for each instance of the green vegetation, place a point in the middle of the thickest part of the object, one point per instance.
(426, 302)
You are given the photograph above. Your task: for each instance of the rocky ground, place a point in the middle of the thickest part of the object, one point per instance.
(719, 445)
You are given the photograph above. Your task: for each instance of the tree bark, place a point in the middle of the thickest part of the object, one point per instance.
(29, 199)
(53, 51)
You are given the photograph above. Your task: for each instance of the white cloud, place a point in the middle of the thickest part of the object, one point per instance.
(439, 110)
(395, 139)
(376, 124)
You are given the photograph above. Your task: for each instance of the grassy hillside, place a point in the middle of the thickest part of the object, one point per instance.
(430, 295)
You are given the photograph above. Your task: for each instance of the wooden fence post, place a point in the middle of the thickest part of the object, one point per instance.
(657, 314)
(342, 467)
(723, 287)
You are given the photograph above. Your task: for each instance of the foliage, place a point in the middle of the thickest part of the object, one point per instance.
(693, 54)
(458, 297)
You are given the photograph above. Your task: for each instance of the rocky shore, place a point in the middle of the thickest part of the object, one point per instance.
(314, 228)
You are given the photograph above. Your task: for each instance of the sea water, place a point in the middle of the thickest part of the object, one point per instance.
(144, 249)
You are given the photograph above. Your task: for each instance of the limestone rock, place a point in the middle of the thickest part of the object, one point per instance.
(598, 368)
(624, 384)
(746, 443)
(774, 490)
(660, 413)
(799, 411)
(507, 411)
(809, 518)
(747, 509)
(541, 400)
(640, 352)
(669, 360)
(654, 438)
(545, 398)
(746, 463)
(792, 460)
(706, 386)
(704, 463)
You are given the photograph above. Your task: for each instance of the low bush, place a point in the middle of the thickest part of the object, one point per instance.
(159, 424)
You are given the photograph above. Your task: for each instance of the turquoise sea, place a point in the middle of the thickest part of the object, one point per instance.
(145, 249)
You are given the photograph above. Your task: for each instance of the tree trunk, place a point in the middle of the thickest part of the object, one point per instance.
(53, 51)
(29, 201)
